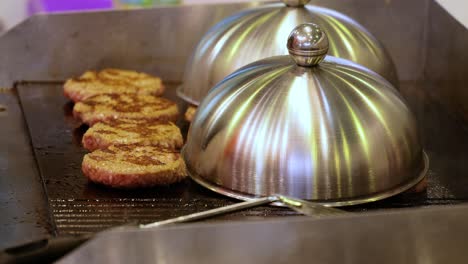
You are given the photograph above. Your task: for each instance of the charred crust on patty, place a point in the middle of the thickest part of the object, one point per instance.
(134, 166)
(130, 132)
(108, 107)
(112, 81)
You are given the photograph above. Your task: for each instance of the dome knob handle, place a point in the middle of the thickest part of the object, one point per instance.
(307, 45)
(296, 3)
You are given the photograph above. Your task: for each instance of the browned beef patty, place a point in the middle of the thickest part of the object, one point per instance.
(93, 83)
(108, 107)
(129, 132)
(134, 166)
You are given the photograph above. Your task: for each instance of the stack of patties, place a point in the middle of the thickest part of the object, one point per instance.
(131, 134)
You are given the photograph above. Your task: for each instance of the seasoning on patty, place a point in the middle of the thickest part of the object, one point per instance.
(134, 166)
(128, 132)
(93, 83)
(108, 107)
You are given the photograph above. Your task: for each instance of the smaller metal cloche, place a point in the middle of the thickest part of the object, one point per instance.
(259, 33)
(306, 125)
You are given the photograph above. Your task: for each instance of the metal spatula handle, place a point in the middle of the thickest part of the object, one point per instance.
(309, 208)
(214, 212)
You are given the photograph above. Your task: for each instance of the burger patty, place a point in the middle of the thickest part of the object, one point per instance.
(190, 113)
(133, 167)
(107, 107)
(93, 83)
(128, 132)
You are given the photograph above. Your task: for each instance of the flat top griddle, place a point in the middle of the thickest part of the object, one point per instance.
(78, 206)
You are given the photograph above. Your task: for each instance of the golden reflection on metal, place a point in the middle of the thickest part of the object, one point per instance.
(260, 32)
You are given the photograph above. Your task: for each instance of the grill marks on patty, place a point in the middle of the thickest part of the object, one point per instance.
(107, 107)
(128, 132)
(135, 155)
(134, 166)
(93, 83)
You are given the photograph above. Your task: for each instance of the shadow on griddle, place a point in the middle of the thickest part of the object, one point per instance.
(183, 190)
(78, 134)
(80, 129)
(68, 109)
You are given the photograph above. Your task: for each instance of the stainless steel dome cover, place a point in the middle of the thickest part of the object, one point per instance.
(259, 33)
(333, 132)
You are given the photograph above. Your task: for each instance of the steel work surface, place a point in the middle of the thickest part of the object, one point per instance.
(435, 235)
(47, 47)
(23, 203)
(79, 206)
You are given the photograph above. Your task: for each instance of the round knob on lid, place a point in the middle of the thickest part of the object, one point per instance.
(308, 44)
(296, 3)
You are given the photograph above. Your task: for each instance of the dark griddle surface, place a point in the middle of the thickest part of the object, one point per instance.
(79, 206)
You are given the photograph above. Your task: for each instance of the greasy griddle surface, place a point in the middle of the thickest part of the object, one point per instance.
(79, 206)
